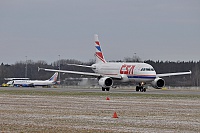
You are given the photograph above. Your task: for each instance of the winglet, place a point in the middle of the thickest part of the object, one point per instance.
(40, 69)
(190, 71)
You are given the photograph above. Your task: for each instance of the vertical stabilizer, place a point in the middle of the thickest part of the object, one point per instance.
(98, 54)
(54, 77)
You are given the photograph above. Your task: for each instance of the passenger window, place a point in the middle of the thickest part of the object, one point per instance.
(147, 69)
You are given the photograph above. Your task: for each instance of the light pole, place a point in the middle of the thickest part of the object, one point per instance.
(26, 68)
(59, 69)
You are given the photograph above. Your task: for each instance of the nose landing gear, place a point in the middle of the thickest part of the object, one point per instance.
(141, 87)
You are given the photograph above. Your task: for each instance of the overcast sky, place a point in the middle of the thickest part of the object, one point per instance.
(153, 29)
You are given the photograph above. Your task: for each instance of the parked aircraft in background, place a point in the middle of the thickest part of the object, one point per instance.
(33, 83)
(107, 72)
(16, 78)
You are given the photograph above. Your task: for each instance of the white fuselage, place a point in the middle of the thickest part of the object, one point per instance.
(33, 82)
(136, 72)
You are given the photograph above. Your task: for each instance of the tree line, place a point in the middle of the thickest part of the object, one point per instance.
(19, 70)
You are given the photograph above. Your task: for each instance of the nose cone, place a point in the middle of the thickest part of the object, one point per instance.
(147, 72)
(154, 72)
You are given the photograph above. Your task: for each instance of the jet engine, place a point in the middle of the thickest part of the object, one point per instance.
(105, 82)
(158, 83)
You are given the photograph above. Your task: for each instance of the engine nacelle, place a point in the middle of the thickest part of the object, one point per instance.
(158, 83)
(105, 82)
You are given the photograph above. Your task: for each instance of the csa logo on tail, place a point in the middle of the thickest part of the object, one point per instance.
(99, 54)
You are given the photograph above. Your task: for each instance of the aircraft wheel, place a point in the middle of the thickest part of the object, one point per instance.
(137, 88)
(103, 89)
(108, 89)
(144, 89)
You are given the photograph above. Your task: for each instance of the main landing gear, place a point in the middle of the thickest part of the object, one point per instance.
(141, 87)
(105, 88)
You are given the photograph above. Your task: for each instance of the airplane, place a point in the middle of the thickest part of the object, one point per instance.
(108, 72)
(16, 78)
(33, 83)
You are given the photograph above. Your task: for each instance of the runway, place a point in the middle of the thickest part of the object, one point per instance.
(124, 90)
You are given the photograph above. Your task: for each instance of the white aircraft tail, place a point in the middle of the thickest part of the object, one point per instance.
(54, 77)
(98, 54)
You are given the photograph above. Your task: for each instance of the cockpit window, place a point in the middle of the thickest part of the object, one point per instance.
(143, 69)
(147, 69)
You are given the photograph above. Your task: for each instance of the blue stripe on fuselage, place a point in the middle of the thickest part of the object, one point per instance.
(142, 77)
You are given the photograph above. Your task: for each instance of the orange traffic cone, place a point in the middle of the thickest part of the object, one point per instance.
(107, 98)
(115, 115)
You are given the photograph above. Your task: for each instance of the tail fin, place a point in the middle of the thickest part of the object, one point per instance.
(54, 77)
(98, 54)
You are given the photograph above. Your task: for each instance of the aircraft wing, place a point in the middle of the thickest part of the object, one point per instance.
(173, 74)
(80, 65)
(81, 73)
(71, 72)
